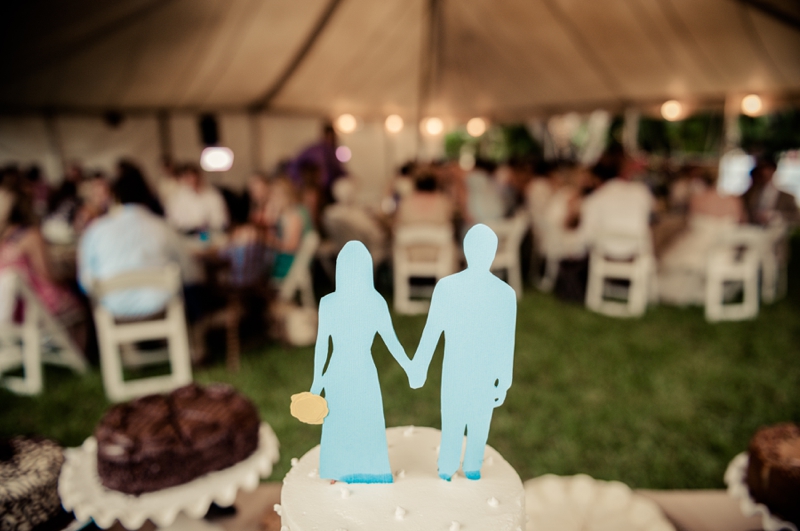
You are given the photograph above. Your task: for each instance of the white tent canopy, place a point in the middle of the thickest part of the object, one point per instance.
(506, 58)
(272, 69)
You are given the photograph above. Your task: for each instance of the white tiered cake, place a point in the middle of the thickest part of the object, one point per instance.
(417, 499)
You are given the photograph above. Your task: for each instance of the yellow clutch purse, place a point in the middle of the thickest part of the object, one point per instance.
(309, 408)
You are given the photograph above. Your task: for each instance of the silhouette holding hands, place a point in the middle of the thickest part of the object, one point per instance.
(477, 313)
(353, 448)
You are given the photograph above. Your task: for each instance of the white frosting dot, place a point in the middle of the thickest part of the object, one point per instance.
(455, 526)
(409, 431)
(278, 509)
(399, 513)
(345, 493)
(401, 474)
(489, 460)
(313, 473)
(295, 461)
(438, 447)
(493, 502)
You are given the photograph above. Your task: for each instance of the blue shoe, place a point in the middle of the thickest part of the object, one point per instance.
(473, 475)
(445, 476)
(367, 478)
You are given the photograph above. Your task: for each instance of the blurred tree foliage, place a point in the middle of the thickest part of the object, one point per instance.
(698, 134)
(773, 133)
(500, 143)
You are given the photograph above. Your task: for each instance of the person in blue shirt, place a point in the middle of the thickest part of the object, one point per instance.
(130, 237)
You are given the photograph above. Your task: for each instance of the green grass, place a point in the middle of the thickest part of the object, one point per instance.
(661, 402)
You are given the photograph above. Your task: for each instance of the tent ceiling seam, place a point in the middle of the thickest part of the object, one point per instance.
(236, 42)
(302, 52)
(684, 33)
(583, 46)
(759, 45)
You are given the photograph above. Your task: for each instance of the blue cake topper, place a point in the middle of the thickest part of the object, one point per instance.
(476, 312)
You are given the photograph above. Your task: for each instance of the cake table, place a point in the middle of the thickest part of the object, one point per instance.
(81, 491)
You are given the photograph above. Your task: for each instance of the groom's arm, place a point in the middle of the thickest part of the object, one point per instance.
(505, 350)
(434, 327)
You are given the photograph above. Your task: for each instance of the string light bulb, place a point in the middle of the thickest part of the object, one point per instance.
(671, 110)
(476, 127)
(394, 123)
(752, 105)
(433, 126)
(346, 123)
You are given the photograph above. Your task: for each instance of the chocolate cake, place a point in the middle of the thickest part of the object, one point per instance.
(773, 472)
(29, 470)
(160, 441)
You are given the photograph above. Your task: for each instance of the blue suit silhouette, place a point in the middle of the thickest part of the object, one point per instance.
(476, 312)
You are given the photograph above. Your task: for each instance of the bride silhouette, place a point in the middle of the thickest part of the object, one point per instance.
(353, 447)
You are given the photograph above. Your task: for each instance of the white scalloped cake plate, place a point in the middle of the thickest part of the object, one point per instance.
(736, 479)
(581, 503)
(81, 491)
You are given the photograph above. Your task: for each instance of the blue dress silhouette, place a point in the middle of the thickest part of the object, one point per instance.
(353, 447)
(477, 313)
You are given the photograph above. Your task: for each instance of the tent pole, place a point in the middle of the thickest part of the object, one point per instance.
(264, 101)
(164, 136)
(255, 141)
(54, 141)
(427, 66)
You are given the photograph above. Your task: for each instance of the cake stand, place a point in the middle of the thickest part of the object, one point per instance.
(82, 493)
(581, 503)
(736, 479)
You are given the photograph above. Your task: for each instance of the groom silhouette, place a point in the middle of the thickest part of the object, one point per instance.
(477, 313)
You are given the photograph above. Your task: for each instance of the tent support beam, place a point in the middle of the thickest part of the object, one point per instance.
(767, 8)
(264, 101)
(429, 58)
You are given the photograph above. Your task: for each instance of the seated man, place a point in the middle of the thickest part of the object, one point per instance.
(618, 206)
(131, 238)
(196, 206)
(765, 204)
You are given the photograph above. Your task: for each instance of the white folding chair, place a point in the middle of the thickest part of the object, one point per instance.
(117, 338)
(21, 344)
(733, 263)
(299, 278)
(620, 257)
(774, 264)
(510, 233)
(420, 251)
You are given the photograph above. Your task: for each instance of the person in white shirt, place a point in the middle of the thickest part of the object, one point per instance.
(196, 206)
(618, 206)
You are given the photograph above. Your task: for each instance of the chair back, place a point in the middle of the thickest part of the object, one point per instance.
(299, 276)
(425, 250)
(167, 279)
(117, 340)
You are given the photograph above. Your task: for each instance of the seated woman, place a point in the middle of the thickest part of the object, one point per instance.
(23, 250)
(287, 222)
(425, 205)
(681, 270)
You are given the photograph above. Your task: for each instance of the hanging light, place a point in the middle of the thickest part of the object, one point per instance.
(476, 127)
(671, 110)
(216, 158)
(343, 153)
(346, 123)
(752, 105)
(394, 123)
(433, 126)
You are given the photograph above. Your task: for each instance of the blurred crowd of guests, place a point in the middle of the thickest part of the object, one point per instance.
(120, 223)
